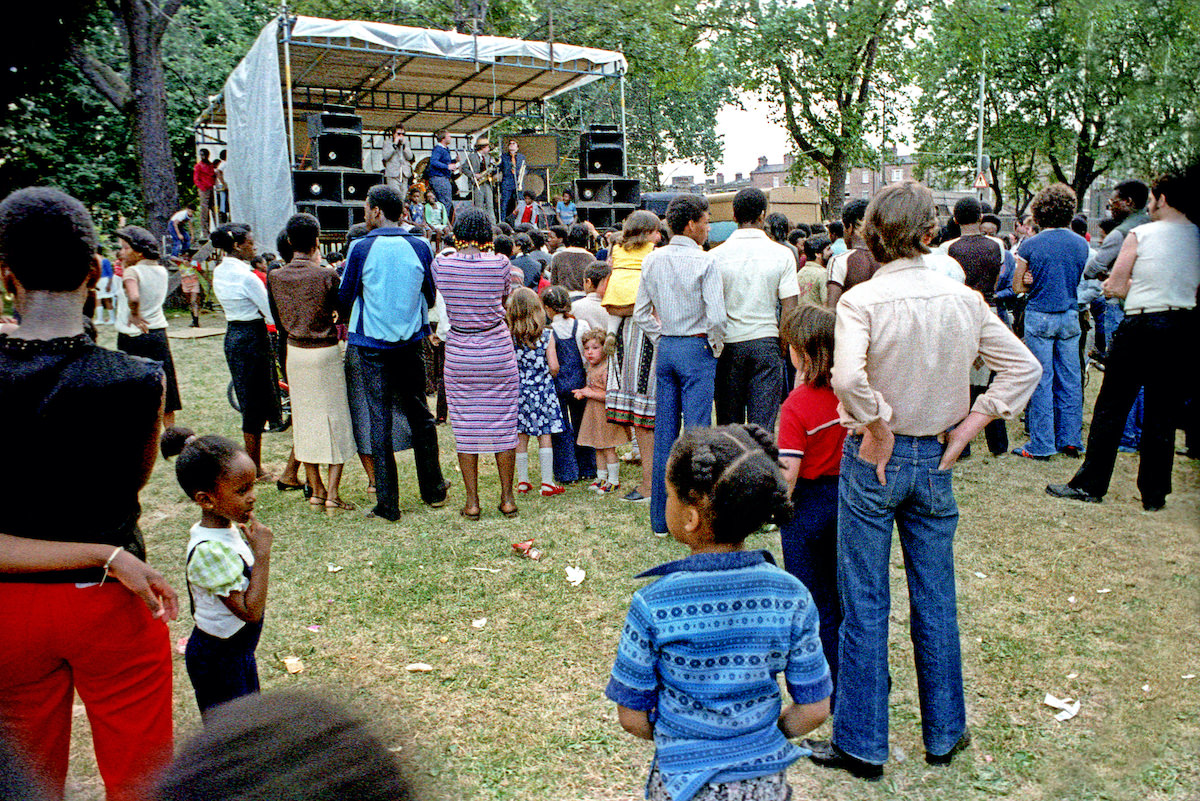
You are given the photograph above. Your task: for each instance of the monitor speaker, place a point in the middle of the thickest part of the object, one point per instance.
(312, 185)
(333, 217)
(338, 150)
(537, 181)
(594, 190)
(356, 185)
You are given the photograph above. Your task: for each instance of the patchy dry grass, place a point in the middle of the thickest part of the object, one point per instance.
(515, 710)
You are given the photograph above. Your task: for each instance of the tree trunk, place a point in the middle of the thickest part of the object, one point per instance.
(156, 166)
(838, 168)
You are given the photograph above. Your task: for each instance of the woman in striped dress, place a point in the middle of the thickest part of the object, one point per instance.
(481, 367)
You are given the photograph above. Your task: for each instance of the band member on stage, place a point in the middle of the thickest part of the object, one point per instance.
(512, 177)
(441, 163)
(398, 161)
(481, 169)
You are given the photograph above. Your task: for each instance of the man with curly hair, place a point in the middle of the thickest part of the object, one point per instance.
(1049, 266)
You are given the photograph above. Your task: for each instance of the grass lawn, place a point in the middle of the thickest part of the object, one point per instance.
(1098, 603)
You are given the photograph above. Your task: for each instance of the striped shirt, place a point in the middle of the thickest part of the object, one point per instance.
(703, 646)
(680, 294)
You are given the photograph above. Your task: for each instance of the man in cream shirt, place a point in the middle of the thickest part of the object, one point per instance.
(757, 275)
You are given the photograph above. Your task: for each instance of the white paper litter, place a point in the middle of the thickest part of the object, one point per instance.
(485, 569)
(1072, 675)
(1145, 688)
(1101, 592)
(293, 664)
(419, 667)
(1069, 708)
(334, 568)
(576, 575)
(480, 623)
(1071, 600)
(980, 575)
(1188, 676)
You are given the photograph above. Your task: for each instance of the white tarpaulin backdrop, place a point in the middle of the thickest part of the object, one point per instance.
(258, 175)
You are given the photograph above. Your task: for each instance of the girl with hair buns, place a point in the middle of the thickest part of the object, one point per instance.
(228, 565)
(140, 322)
(704, 644)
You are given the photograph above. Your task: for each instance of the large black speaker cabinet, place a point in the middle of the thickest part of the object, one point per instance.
(601, 154)
(337, 150)
(312, 185)
(356, 185)
(333, 217)
(537, 181)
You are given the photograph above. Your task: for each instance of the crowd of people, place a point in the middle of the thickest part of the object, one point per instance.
(848, 368)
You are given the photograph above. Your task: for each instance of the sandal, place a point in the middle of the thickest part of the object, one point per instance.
(284, 487)
(470, 515)
(513, 512)
(317, 500)
(524, 486)
(338, 503)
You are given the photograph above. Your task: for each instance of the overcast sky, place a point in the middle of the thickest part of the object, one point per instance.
(748, 133)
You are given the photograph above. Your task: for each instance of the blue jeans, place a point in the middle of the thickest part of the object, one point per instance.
(1114, 313)
(919, 500)
(809, 542)
(1055, 412)
(442, 187)
(1131, 436)
(686, 373)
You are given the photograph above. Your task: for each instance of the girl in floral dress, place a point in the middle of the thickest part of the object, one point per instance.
(538, 411)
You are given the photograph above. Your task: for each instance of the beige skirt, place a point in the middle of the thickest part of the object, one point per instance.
(321, 428)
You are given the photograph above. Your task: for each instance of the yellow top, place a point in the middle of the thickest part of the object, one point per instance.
(626, 273)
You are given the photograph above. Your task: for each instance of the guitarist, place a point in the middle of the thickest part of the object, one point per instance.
(481, 168)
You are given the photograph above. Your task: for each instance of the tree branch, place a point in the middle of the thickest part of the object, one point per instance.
(107, 81)
(161, 19)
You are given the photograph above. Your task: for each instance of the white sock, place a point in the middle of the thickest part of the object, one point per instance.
(614, 473)
(636, 450)
(523, 468)
(546, 461)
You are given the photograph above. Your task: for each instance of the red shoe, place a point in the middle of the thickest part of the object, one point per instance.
(552, 489)
(524, 486)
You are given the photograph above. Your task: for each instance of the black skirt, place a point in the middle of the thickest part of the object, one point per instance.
(248, 353)
(153, 345)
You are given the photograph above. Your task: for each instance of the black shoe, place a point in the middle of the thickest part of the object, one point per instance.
(438, 503)
(1153, 507)
(1071, 451)
(828, 755)
(945, 759)
(1070, 493)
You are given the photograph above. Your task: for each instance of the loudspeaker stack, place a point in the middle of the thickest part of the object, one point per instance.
(334, 189)
(603, 195)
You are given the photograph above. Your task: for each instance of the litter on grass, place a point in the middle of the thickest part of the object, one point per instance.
(1188, 676)
(486, 569)
(1071, 600)
(419, 667)
(1069, 708)
(314, 627)
(293, 664)
(526, 549)
(181, 646)
(334, 568)
(575, 576)
(980, 575)
(1145, 688)
(1072, 675)
(480, 623)
(1102, 591)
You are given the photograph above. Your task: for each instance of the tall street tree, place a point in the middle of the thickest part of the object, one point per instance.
(829, 65)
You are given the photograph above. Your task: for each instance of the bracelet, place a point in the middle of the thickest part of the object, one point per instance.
(109, 562)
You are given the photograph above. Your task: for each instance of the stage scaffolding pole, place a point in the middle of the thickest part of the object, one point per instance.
(287, 73)
(625, 149)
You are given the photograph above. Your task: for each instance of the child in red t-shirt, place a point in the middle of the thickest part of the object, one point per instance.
(810, 448)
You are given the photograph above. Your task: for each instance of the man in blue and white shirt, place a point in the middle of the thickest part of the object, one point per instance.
(385, 295)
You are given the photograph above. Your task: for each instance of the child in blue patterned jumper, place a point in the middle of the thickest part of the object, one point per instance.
(538, 411)
(228, 564)
(702, 646)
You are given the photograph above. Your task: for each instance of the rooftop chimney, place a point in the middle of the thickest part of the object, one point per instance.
(762, 162)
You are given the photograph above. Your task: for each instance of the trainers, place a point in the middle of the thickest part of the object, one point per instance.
(597, 485)
(633, 496)
(1024, 454)
(552, 489)
(607, 488)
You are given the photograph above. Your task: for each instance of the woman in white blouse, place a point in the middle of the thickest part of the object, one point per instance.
(140, 322)
(243, 296)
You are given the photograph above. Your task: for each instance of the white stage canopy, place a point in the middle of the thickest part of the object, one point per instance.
(390, 74)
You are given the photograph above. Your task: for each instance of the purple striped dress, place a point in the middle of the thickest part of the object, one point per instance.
(482, 385)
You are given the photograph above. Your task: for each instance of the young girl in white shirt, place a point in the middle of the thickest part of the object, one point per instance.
(228, 565)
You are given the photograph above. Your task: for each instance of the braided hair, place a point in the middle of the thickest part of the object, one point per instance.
(734, 470)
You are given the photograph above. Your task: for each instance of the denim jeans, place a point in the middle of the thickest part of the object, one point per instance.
(1131, 436)
(444, 190)
(919, 500)
(685, 372)
(1055, 412)
(750, 382)
(394, 378)
(809, 543)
